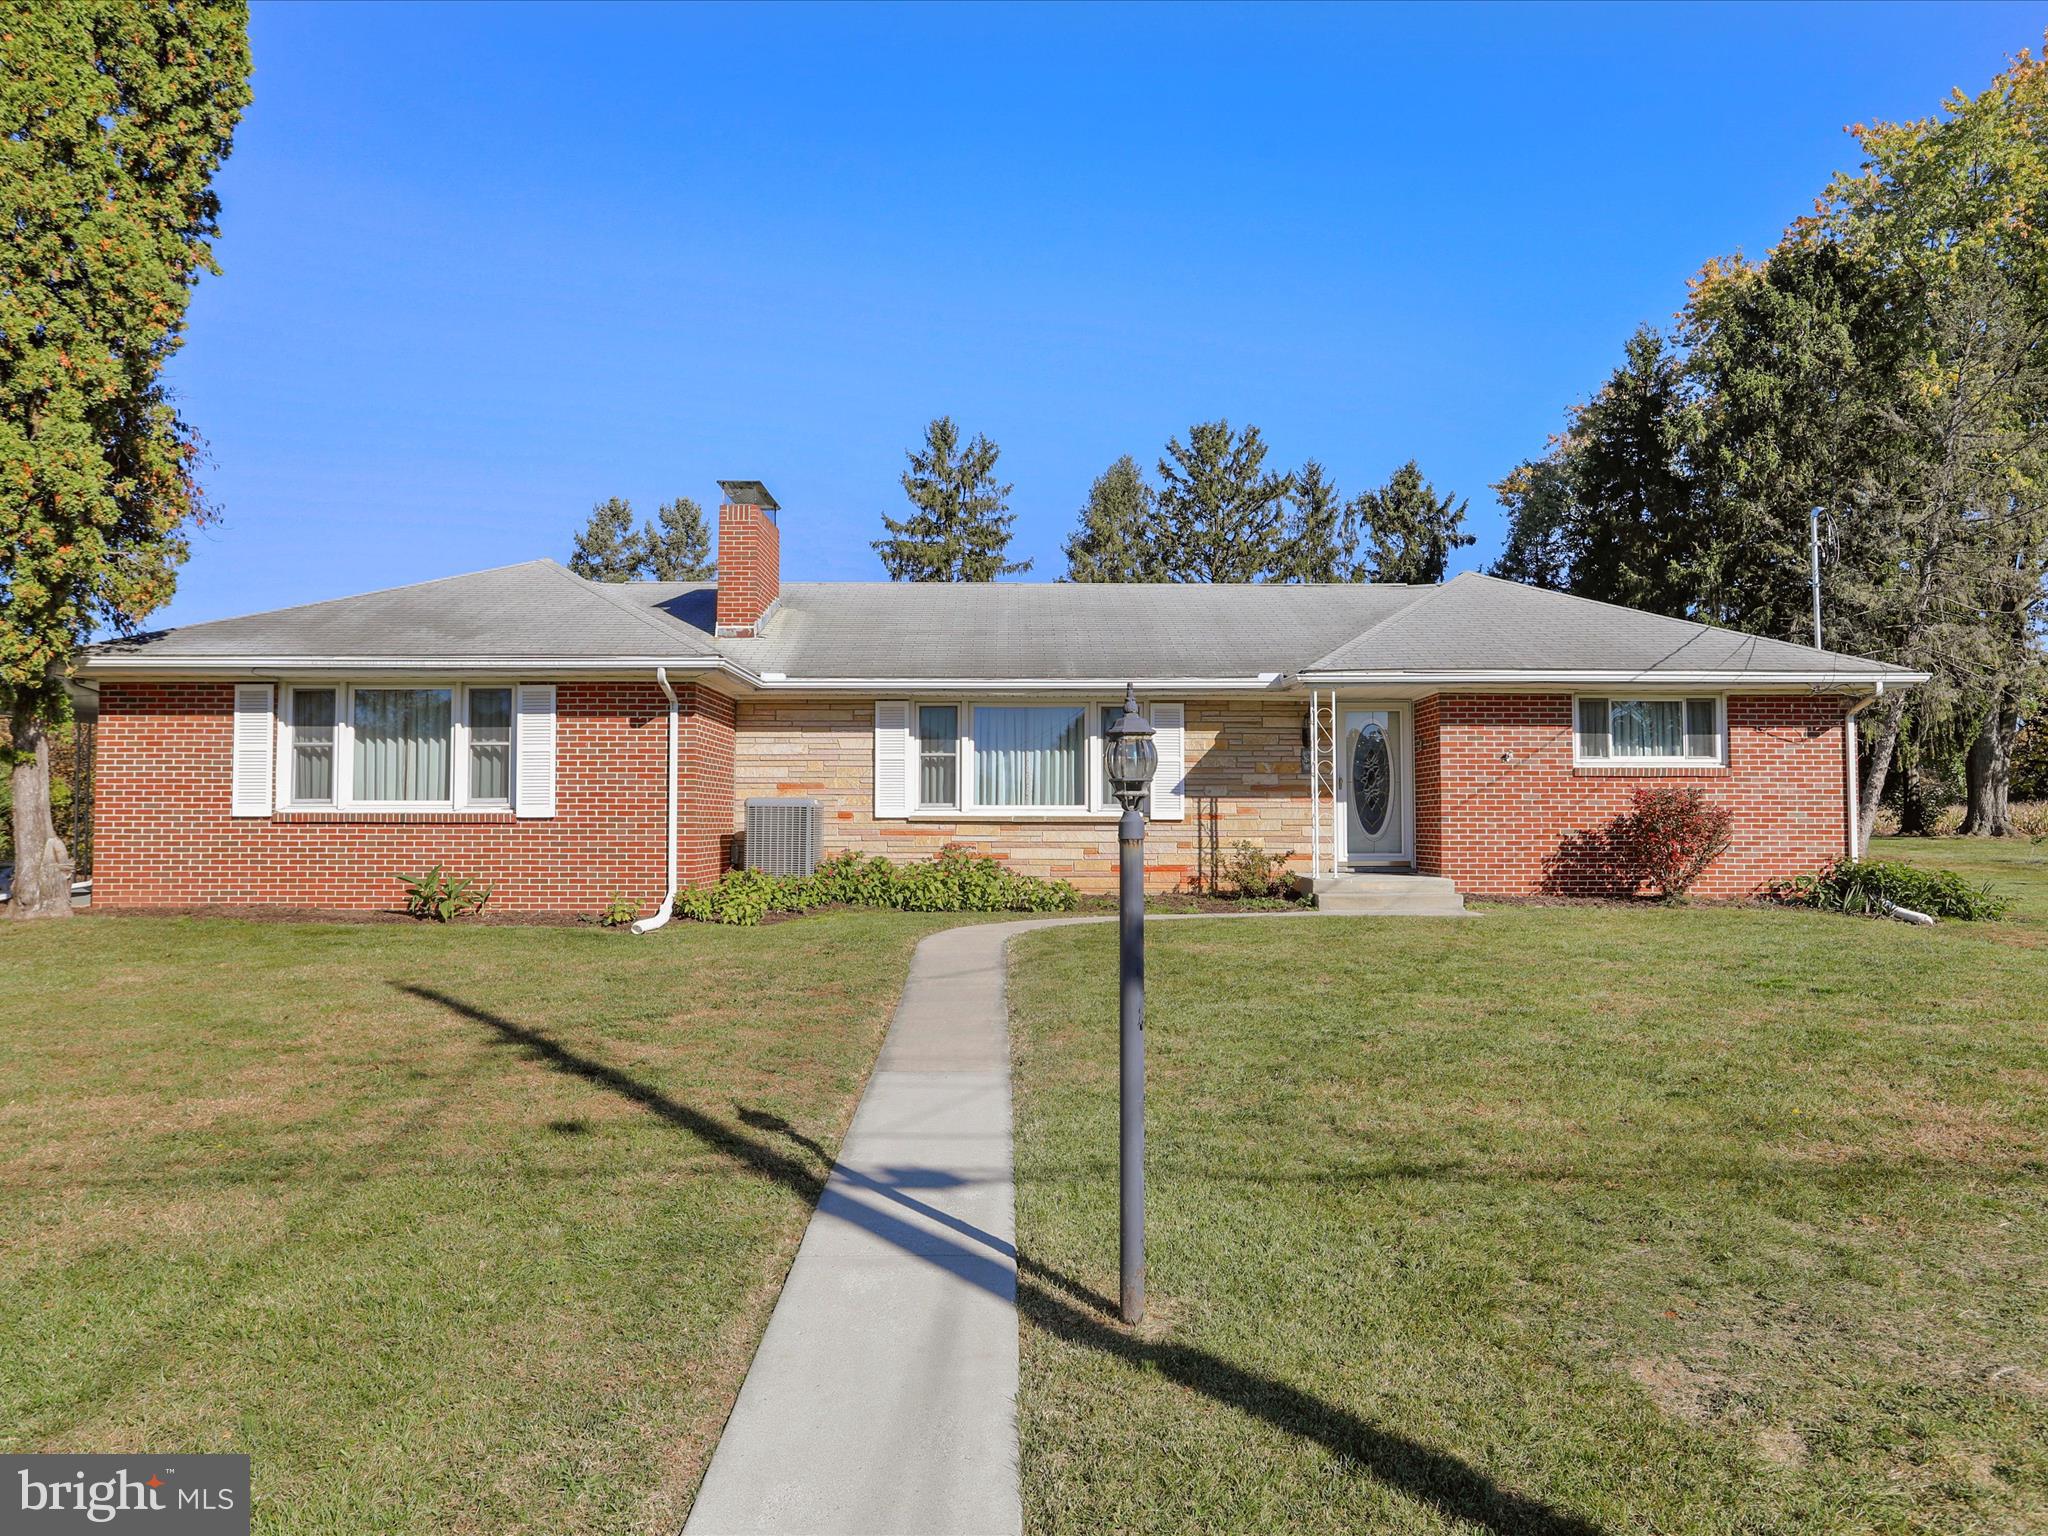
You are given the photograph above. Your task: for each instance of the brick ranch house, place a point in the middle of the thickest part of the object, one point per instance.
(565, 740)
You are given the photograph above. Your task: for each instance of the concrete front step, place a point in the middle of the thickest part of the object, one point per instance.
(1387, 895)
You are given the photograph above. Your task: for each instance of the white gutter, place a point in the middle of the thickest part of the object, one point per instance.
(778, 682)
(1732, 679)
(668, 902)
(434, 666)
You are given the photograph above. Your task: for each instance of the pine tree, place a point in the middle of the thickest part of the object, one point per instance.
(1609, 512)
(610, 547)
(1410, 530)
(959, 524)
(1537, 494)
(1113, 541)
(679, 549)
(1321, 541)
(118, 112)
(1221, 512)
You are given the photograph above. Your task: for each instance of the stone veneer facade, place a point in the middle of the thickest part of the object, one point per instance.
(1244, 781)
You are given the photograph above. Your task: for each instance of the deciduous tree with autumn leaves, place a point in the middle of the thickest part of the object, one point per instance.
(1887, 363)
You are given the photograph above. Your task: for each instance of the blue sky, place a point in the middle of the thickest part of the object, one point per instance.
(486, 265)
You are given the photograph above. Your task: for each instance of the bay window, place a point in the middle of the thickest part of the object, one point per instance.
(438, 746)
(1651, 730)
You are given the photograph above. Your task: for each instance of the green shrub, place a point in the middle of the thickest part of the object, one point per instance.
(958, 880)
(1864, 886)
(440, 897)
(1252, 872)
(619, 911)
(743, 898)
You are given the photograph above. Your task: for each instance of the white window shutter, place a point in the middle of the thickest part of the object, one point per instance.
(893, 748)
(1169, 784)
(533, 777)
(255, 748)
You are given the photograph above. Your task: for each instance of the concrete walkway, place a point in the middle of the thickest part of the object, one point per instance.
(883, 1399)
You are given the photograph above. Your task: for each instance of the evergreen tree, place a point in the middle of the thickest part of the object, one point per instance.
(1322, 531)
(679, 548)
(118, 113)
(1221, 512)
(1411, 530)
(959, 524)
(610, 547)
(1114, 538)
(1608, 513)
(1537, 494)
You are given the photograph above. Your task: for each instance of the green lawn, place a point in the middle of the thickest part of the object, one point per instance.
(1553, 1221)
(453, 1230)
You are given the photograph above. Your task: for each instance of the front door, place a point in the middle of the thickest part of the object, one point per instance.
(1373, 772)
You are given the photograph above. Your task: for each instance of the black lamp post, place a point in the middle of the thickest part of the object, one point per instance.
(1132, 760)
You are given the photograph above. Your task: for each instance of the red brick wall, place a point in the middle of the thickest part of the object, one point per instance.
(164, 836)
(705, 847)
(1429, 787)
(1509, 796)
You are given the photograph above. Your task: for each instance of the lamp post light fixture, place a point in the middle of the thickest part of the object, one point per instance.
(1132, 761)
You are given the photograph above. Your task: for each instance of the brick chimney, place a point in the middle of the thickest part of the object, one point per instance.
(749, 558)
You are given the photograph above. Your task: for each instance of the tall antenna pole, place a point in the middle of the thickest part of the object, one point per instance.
(1814, 524)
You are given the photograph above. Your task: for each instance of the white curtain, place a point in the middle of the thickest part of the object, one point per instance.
(1649, 728)
(401, 748)
(1029, 754)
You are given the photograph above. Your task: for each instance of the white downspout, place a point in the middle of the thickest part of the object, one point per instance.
(667, 909)
(1850, 765)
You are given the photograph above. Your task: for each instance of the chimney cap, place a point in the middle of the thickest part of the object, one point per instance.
(748, 493)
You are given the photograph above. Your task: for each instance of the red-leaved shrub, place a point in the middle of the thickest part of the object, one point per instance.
(1668, 835)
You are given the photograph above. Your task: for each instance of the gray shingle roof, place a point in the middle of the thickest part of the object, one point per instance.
(1476, 623)
(516, 612)
(1057, 630)
(849, 631)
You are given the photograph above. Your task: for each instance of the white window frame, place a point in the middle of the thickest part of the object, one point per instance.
(458, 798)
(287, 756)
(1098, 805)
(1719, 759)
(961, 719)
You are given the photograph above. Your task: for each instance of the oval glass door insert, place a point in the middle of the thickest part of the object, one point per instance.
(1372, 777)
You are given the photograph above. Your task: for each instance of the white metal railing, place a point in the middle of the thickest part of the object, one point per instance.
(1322, 782)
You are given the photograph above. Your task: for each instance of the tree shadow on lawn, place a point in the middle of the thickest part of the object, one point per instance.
(1421, 1472)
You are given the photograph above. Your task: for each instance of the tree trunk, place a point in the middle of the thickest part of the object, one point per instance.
(1989, 773)
(42, 867)
(1913, 818)
(1881, 727)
